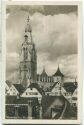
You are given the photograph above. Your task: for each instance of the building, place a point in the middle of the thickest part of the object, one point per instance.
(74, 98)
(38, 96)
(25, 104)
(28, 59)
(44, 80)
(69, 89)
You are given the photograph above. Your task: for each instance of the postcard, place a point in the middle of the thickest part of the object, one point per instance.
(41, 52)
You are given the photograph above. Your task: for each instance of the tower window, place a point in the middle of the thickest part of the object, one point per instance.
(24, 49)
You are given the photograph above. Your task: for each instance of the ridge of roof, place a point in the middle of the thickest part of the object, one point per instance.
(53, 86)
(35, 85)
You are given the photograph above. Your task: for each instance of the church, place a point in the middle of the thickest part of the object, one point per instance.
(29, 99)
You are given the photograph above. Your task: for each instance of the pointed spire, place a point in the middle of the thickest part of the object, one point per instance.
(58, 67)
(28, 27)
(44, 72)
(75, 79)
(58, 72)
(28, 30)
(28, 19)
(43, 68)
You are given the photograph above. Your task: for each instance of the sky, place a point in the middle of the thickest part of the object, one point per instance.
(54, 32)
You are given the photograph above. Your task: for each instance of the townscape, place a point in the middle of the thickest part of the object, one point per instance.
(39, 96)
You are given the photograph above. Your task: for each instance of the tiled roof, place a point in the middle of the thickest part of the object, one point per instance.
(58, 73)
(35, 85)
(44, 73)
(70, 87)
(19, 87)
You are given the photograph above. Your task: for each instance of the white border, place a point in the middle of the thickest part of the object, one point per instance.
(21, 121)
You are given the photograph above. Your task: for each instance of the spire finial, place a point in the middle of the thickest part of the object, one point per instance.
(76, 79)
(58, 65)
(43, 68)
(28, 26)
(28, 19)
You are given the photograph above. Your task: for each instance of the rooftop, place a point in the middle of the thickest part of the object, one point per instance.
(58, 73)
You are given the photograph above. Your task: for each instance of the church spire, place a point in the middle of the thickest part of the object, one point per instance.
(28, 26)
(28, 60)
(28, 30)
(28, 19)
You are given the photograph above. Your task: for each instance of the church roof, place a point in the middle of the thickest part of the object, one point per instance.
(19, 87)
(35, 85)
(58, 73)
(44, 73)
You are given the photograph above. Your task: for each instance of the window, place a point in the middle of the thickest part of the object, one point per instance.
(24, 49)
(74, 98)
(14, 93)
(26, 93)
(31, 88)
(40, 78)
(74, 104)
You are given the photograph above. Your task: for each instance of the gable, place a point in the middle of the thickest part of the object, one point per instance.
(6, 89)
(31, 92)
(13, 91)
(55, 88)
(63, 90)
(75, 93)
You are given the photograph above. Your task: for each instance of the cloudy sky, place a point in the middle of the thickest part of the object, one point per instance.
(54, 31)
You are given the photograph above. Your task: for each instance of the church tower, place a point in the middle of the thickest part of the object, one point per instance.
(28, 58)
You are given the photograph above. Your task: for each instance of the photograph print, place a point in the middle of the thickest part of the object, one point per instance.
(41, 62)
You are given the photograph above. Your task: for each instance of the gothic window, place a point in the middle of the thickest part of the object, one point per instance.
(25, 66)
(50, 79)
(24, 49)
(14, 93)
(37, 78)
(40, 78)
(45, 79)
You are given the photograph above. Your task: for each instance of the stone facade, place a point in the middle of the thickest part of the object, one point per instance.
(28, 59)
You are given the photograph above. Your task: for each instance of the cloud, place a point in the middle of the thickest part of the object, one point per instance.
(44, 9)
(56, 34)
(28, 9)
(55, 37)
